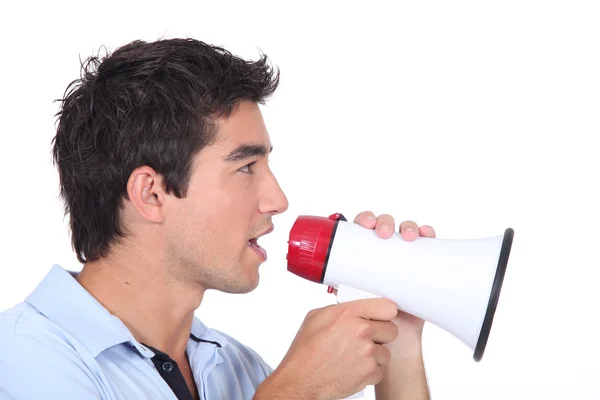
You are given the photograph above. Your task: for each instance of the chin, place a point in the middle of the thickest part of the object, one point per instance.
(245, 283)
(241, 288)
(251, 283)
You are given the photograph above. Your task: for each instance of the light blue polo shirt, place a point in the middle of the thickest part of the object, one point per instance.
(61, 343)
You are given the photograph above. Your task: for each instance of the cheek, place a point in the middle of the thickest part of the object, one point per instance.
(220, 221)
(237, 197)
(224, 208)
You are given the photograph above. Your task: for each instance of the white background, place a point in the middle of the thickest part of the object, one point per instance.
(470, 116)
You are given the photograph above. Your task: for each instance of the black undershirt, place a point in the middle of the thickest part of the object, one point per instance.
(170, 372)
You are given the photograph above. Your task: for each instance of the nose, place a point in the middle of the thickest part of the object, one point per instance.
(274, 201)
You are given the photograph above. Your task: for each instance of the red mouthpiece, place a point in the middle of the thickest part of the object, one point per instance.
(309, 245)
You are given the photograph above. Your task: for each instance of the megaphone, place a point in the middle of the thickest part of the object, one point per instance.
(453, 284)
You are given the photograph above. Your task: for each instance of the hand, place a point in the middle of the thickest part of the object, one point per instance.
(337, 352)
(410, 328)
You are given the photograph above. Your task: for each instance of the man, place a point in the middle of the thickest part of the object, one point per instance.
(162, 154)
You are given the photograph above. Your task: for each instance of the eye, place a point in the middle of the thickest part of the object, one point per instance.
(248, 168)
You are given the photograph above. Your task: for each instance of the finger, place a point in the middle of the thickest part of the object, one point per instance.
(382, 354)
(375, 377)
(382, 332)
(379, 308)
(427, 231)
(366, 219)
(409, 230)
(385, 226)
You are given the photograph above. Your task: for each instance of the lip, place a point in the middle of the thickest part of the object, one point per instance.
(266, 232)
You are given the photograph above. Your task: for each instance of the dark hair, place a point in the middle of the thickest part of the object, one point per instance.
(145, 104)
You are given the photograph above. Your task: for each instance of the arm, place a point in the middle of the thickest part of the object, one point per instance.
(277, 386)
(404, 376)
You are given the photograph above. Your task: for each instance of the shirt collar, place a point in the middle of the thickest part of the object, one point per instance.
(65, 302)
(201, 333)
(201, 338)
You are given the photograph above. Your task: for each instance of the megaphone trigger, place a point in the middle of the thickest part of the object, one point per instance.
(338, 217)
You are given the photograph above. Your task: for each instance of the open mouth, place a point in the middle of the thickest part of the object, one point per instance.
(253, 244)
(259, 250)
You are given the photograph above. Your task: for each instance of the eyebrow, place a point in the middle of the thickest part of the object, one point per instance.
(246, 151)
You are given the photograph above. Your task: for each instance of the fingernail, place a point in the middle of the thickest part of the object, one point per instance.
(385, 227)
(409, 230)
(370, 218)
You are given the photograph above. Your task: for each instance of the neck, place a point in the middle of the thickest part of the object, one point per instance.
(139, 290)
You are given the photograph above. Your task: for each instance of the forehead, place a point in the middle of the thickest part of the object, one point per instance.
(244, 126)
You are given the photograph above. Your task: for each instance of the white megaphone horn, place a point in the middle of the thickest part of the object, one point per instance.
(453, 284)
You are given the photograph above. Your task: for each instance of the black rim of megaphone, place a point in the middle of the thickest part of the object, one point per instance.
(494, 295)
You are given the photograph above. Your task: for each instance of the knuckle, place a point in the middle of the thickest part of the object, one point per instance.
(311, 314)
(376, 376)
(344, 311)
(370, 351)
(385, 355)
(342, 316)
(363, 328)
(371, 366)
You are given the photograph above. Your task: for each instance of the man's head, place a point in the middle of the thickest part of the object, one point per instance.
(162, 147)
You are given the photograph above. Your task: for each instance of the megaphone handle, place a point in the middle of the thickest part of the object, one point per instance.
(357, 395)
(347, 293)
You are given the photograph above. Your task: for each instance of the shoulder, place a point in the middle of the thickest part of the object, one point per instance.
(23, 327)
(37, 361)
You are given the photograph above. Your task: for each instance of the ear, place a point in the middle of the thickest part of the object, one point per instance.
(146, 193)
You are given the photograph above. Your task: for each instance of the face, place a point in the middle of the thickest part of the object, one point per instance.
(231, 199)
